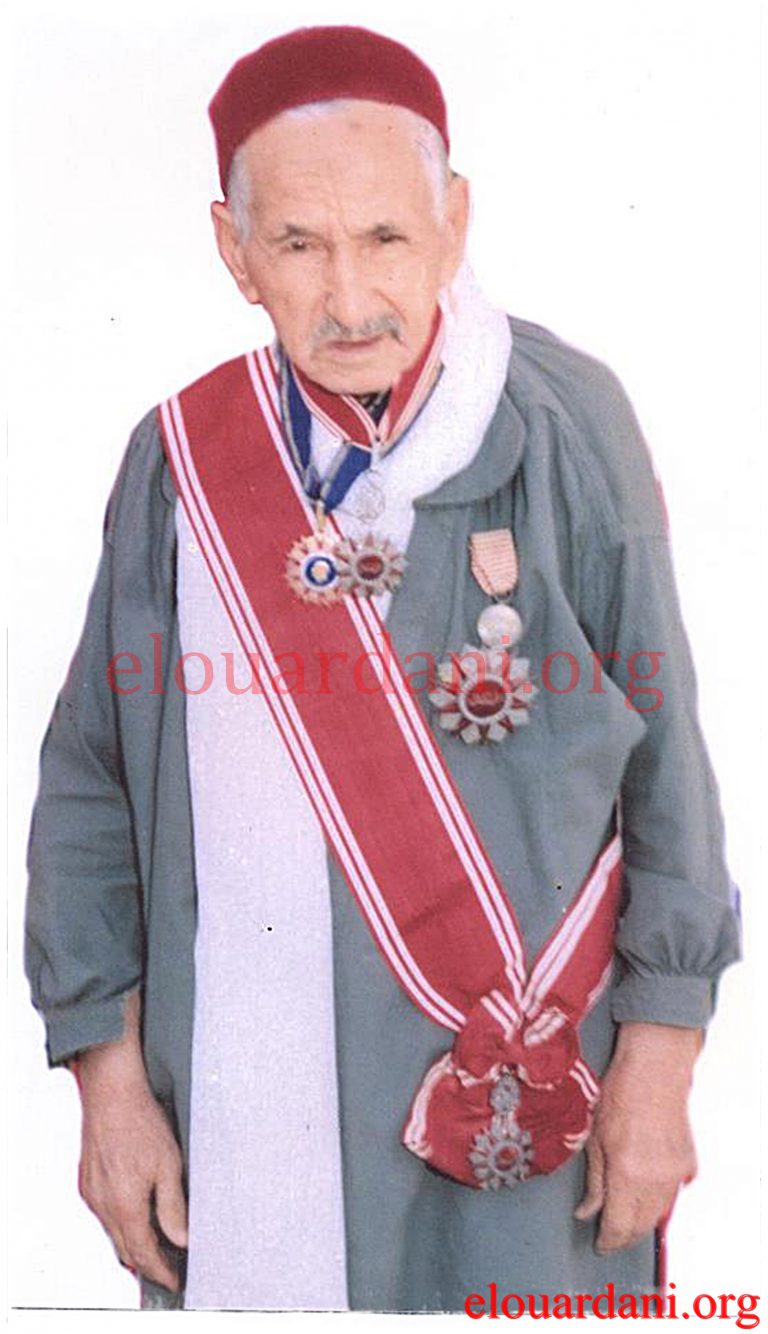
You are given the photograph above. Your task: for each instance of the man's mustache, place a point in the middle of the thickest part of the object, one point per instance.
(330, 330)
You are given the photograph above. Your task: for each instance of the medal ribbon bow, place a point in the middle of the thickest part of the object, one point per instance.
(514, 1097)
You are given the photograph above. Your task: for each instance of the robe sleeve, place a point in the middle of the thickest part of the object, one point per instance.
(680, 925)
(83, 927)
(679, 928)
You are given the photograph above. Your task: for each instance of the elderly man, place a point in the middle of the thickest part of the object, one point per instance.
(376, 866)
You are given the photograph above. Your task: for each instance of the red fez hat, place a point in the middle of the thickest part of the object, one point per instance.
(319, 65)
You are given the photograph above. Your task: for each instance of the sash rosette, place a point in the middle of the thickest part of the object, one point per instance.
(514, 1097)
(498, 1109)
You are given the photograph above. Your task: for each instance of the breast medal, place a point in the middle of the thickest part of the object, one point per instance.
(484, 692)
(369, 566)
(313, 568)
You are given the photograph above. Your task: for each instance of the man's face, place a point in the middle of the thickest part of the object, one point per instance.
(347, 249)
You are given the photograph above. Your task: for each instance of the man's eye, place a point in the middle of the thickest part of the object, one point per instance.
(386, 238)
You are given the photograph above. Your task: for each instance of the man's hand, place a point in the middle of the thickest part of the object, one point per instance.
(129, 1153)
(641, 1149)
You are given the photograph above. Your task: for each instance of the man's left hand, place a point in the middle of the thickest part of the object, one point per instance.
(641, 1148)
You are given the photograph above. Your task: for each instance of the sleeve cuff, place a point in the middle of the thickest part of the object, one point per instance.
(686, 1002)
(84, 1025)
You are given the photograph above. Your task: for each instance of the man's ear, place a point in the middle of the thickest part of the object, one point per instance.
(231, 251)
(456, 224)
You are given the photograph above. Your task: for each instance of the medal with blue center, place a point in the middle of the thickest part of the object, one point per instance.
(324, 566)
(483, 694)
(313, 567)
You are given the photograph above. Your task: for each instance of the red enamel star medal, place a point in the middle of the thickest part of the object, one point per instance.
(484, 692)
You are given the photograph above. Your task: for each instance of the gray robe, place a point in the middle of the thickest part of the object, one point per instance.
(111, 902)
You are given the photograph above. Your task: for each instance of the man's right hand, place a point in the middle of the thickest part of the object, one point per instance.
(129, 1154)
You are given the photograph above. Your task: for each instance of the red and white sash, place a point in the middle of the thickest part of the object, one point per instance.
(393, 816)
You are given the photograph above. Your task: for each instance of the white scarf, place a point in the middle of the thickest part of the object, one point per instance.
(264, 1172)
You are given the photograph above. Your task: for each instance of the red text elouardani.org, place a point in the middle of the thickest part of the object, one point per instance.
(560, 672)
(608, 1304)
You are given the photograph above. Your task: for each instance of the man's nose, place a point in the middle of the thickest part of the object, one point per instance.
(348, 296)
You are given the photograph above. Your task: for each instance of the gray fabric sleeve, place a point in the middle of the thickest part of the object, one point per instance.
(83, 937)
(679, 928)
(680, 925)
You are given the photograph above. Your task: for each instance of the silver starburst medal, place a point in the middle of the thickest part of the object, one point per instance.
(370, 565)
(502, 1155)
(484, 693)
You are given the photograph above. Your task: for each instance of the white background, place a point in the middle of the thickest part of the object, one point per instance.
(613, 150)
